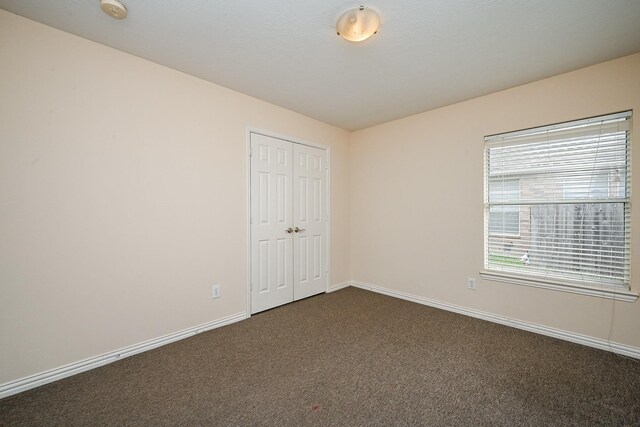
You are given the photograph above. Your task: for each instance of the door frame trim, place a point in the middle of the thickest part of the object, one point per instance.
(253, 130)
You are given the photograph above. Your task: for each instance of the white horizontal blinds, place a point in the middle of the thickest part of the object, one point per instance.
(557, 201)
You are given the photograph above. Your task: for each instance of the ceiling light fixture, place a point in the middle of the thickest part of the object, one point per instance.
(113, 8)
(358, 24)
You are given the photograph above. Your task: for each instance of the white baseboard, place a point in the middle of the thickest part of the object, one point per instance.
(589, 341)
(340, 285)
(42, 378)
(55, 374)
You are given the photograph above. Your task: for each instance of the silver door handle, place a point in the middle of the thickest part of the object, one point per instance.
(289, 230)
(299, 230)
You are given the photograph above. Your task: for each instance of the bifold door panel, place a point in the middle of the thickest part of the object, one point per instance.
(289, 222)
(309, 216)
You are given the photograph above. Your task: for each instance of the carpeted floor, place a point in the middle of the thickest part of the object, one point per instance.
(348, 358)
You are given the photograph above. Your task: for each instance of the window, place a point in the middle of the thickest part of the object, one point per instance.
(505, 219)
(557, 203)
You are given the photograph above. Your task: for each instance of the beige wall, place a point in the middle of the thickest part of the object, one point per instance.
(123, 197)
(417, 200)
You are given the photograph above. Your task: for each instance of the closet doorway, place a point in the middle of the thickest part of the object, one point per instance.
(289, 221)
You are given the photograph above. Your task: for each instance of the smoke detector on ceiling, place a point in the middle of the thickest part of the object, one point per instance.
(113, 8)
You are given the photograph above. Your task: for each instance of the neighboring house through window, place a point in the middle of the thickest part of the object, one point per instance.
(504, 220)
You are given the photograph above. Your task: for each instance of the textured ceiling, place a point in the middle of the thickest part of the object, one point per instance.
(427, 54)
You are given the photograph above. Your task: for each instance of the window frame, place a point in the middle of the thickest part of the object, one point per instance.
(616, 291)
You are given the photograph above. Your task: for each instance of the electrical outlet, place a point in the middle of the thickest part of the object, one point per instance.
(471, 283)
(215, 291)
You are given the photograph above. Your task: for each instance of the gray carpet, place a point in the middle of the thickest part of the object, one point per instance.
(348, 358)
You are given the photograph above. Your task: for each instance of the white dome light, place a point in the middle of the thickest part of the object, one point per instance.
(358, 24)
(113, 8)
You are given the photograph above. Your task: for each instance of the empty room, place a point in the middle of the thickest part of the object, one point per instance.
(319, 213)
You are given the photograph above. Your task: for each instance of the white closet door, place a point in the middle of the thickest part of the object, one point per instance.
(271, 216)
(310, 218)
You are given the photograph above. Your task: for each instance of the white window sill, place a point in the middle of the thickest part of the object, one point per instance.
(615, 294)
